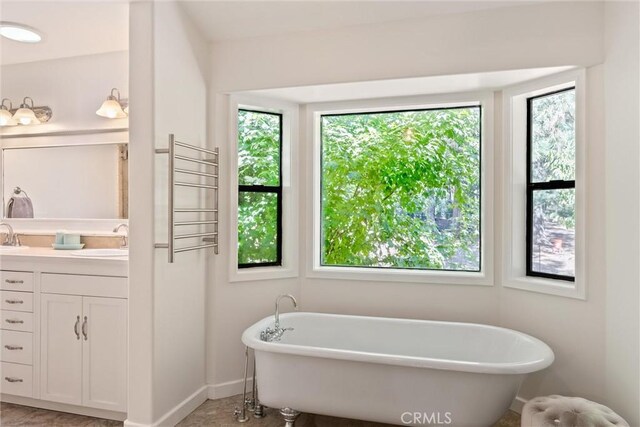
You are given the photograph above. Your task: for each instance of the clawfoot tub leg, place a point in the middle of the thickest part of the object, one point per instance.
(290, 416)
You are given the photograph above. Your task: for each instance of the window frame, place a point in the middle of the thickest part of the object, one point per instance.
(514, 191)
(269, 189)
(485, 275)
(532, 187)
(289, 188)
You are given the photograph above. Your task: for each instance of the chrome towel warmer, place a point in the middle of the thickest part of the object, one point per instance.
(210, 238)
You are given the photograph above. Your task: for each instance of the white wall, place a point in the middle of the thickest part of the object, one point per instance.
(167, 365)
(550, 34)
(622, 74)
(74, 88)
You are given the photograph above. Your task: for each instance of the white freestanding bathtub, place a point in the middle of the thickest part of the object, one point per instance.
(396, 371)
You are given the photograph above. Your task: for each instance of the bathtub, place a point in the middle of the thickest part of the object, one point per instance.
(396, 371)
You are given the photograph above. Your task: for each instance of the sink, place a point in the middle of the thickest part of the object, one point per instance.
(11, 249)
(101, 252)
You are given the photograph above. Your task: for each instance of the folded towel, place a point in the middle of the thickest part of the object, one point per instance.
(20, 207)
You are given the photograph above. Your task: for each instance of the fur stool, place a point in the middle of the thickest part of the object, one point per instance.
(562, 411)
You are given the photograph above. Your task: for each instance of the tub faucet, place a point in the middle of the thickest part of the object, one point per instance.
(276, 333)
(12, 238)
(125, 238)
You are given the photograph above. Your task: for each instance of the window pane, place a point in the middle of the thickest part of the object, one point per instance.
(402, 189)
(258, 148)
(553, 237)
(553, 137)
(257, 227)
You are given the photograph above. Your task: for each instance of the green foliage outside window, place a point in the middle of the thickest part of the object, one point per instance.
(259, 141)
(402, 189)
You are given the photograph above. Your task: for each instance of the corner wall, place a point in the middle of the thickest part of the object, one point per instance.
(622, 74)
(167, 301)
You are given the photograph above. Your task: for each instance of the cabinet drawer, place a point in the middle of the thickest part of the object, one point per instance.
(16, 281)
(16, 301)
(17, 347)
(16, 379)
(16, 320)
(75, 284)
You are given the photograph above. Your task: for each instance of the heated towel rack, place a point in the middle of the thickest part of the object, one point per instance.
(210, 160)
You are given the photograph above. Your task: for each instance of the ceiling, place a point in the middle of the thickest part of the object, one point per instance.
(225, 20)
(74, 28)
(68, 29)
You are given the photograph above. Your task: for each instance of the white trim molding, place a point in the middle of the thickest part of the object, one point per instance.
(289, 164)
(485, 275)
(514, 197)
(178, 412)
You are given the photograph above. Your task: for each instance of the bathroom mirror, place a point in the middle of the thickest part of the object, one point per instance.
(68, 182)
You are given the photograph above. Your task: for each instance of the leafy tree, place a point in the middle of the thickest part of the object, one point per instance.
(402, 189)
(258, 164)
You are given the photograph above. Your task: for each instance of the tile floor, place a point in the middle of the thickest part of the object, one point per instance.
(212, 413)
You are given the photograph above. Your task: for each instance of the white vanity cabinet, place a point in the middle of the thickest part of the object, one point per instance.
(16, 332)
(63, 332)
(84, 341)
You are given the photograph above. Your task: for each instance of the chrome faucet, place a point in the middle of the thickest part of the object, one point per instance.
(276, 333)
(12, 238)
(125, 238)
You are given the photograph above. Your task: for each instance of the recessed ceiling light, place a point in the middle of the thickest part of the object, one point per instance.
(19, 32)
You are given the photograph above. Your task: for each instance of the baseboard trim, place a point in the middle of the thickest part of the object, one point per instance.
(228, 389)
(177, 413)
(63, 407)
(518, 404)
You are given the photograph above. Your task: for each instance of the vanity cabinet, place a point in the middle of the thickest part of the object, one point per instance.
(63, 332)
(16, 332)
(83, 345)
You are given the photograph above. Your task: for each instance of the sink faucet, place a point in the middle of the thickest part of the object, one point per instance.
(125, 238)
(12, 238)
(276, 333)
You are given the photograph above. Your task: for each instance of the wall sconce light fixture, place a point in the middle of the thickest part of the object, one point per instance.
(112, 108)
(6, 118)
(25, 115)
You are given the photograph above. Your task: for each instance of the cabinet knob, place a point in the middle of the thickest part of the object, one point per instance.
(14, 321)
(14, 301)
(13, 379)
(13, 347)
(14, 281)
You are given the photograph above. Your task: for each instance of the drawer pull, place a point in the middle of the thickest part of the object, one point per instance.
(13, 347)
(14, 321)
(75, 328)
(84, 328)
(13, 379)
(13, 282)
(14, 301)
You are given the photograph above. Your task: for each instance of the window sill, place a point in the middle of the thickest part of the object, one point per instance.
(255, 274)
(399, 275)
(547, 286)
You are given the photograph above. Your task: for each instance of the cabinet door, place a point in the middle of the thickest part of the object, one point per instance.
(61, 348)
(104, 338)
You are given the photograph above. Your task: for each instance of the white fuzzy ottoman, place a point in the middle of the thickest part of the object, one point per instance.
(562, 411)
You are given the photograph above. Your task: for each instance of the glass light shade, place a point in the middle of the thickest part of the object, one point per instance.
(6, 119)
(26, 116)
(111, 109)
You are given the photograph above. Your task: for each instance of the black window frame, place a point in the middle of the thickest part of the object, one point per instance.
(480, 108)
(271, 189)
(532, 187)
